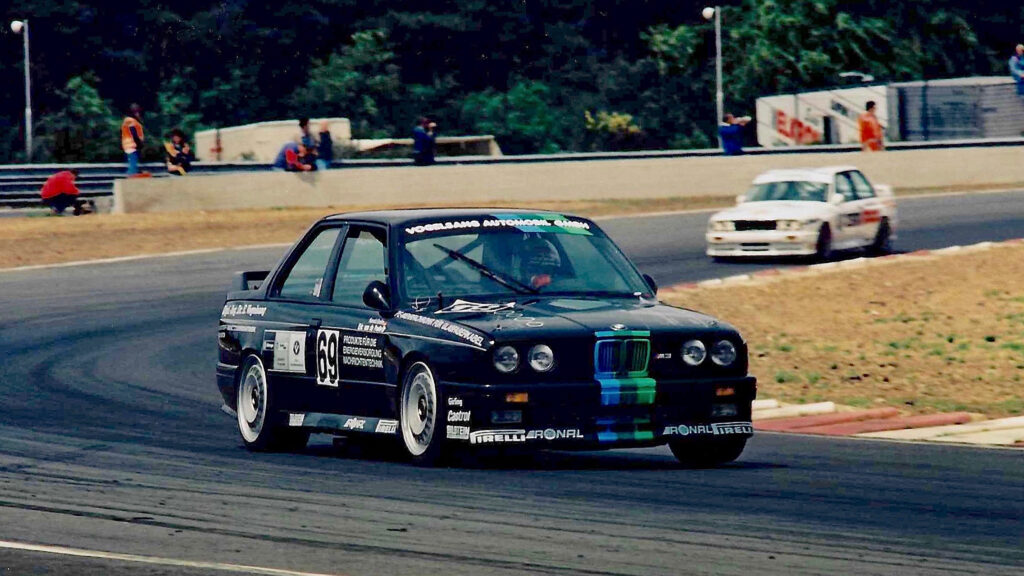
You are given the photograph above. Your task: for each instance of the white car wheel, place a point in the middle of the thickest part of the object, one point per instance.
(418, 410)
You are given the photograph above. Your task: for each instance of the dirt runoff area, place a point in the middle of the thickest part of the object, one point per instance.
(922, 333)
(51, 240)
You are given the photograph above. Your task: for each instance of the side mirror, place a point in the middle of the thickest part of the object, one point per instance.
(838, 198)
(377, 296)
(650, 282)
(740, 199)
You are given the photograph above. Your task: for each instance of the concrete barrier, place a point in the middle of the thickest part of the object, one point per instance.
(598, 179)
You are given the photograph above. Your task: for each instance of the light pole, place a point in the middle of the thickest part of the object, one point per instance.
(21, 27)
(716, 13)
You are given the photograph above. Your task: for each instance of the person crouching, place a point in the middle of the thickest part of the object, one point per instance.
(60, 193)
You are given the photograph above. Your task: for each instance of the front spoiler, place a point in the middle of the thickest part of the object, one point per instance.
(580, 417)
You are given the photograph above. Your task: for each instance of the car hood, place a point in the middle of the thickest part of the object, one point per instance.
(774, 210)
(569, 316)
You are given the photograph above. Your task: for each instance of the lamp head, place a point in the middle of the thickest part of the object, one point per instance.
(17, 26)
(708, 13)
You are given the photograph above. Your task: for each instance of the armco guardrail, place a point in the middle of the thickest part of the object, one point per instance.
(20, 184)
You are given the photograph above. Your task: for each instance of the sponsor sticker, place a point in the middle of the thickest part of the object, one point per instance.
(455, 401)
(386, 426)
(243, 310)
(521, 436)
(466, 307)
(444, 326)
(458, 415)
(458, 432)
(354, 424)
(719, 429)
(526, 222)
(296, 419)
(373, 325)
(289, 350)
(362, 351)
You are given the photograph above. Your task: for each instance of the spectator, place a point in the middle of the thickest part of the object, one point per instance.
(132, 137)
(60, 193)
(871, 134)
(292, 158)
(305, 138)
(1017, 68)
(424, 141)
(178, 154)
(731, 134)
(325, 149)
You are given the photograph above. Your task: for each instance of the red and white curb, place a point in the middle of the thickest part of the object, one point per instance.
(829, 419)
(774, 274)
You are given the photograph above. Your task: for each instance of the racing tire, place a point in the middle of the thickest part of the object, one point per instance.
(823, 247)
(882, 244)
(258, 422)
(419, 407)
(707, 454)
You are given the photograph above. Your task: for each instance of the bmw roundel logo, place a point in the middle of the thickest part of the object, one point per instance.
(296, 347)
(618, 327)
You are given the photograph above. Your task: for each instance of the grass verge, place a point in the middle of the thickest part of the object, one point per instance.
(929, 334)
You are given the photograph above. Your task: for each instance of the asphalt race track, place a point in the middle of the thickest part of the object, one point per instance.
(111, 440)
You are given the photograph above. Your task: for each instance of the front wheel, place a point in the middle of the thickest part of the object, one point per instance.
(823, 248)
(707, 454)
(882, 244)
(257, 420)
(417, 415)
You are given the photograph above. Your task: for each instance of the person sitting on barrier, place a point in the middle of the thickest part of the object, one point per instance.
(178, 154)
(325, 148)
(60, 193)
(292, 158)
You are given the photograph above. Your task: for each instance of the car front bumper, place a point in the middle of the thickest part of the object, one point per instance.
(762, 243)
(597, 415)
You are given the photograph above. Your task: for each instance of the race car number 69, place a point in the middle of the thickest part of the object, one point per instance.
(327, 357)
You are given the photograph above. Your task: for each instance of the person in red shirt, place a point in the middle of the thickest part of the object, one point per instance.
(60, 193)
(871, 133)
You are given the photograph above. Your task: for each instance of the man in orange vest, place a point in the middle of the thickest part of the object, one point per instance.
(871, 133)
(132, 137)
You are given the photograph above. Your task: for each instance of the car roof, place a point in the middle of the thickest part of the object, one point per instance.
(398, 217)
(823, 175)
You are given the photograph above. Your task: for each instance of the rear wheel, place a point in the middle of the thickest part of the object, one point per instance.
(257, 419)
(419, 406)
(823, 248)
(883, 239)
(707, 454)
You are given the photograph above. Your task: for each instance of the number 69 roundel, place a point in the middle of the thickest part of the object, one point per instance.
(327, 357)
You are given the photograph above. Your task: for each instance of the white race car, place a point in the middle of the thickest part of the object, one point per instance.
(806, 212)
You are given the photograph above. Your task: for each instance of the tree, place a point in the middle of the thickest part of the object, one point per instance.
(522, 119)
(85, 130)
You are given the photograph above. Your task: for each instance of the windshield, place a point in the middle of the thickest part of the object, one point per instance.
(798, 191)
(511, 261)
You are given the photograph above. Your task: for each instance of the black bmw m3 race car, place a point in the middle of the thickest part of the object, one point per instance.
(460, 329)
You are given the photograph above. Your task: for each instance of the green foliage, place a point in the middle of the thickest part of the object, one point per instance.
(85, 129)
(360, 82)
(525, 71)
(613, 130)
(522, 118)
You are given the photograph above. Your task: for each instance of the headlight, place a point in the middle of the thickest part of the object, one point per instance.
(723, 353)
(541, 358)
(506, 359)
(693, 352)
(723, 226)
(789, 225)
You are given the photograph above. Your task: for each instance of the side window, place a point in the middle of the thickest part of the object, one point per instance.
(362, 261)
(861, 186)
(306, 276)
(845, 187)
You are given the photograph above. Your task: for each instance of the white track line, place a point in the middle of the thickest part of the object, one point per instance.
(63, 551)
(141, 257)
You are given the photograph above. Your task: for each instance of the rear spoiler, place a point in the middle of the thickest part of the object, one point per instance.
(250, 280)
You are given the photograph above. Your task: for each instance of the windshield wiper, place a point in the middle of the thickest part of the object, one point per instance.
(510, 283)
